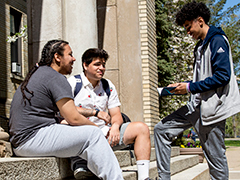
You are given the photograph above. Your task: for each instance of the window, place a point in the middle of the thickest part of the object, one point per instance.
(16, 47)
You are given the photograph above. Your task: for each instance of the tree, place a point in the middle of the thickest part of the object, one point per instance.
(22, 34)
(231, 27)
(165, 65)
(233, 126)
(173, 59)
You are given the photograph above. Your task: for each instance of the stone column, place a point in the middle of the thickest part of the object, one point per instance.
(130, 59)
(80, 27)
(119, 34)
(72, 20)
(44, 24)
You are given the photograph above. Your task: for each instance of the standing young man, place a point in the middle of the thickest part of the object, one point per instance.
(214, 95)
(93, 102)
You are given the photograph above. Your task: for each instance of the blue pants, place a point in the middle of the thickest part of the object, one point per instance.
(211, 138)
(87, 142)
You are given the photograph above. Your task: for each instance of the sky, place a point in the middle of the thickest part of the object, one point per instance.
(231, 3)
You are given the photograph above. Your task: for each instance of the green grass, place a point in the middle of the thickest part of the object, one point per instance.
(232, 143)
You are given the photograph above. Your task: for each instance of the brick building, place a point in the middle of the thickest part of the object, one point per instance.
(13, 56)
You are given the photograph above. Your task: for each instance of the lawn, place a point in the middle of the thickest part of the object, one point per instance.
(232, 143)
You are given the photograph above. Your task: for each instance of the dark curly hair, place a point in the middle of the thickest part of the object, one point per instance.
(91, 53)
(191, 11)
(50, 48)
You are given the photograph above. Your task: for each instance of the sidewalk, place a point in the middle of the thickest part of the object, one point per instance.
(233, 158)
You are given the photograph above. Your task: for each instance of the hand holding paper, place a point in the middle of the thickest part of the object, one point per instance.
(165, 91)
(179, 89)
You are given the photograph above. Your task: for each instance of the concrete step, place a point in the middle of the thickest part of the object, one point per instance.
(43, 168)
(59, 168)
(175, 151)
(198, 172)
(51, 167)
(178, 164)
(127, 158)
(234, 175)
(130, 172)
(182, 162)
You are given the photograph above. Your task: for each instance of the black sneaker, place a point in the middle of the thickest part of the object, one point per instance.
(83, 174)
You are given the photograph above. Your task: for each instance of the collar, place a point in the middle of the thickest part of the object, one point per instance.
(212, 31)
(86, 82)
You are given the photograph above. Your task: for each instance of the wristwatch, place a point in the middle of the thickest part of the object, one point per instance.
(97, 111)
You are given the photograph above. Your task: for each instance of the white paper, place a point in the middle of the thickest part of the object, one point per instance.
(105, 130)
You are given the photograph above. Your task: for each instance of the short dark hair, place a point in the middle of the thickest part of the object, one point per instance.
(91, 53)
(191, 11)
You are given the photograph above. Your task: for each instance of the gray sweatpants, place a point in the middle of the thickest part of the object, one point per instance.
(87, 142)
(211, 138)
(77, 162)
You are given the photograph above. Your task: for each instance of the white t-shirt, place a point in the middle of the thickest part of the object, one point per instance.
(94, 98)
(197, 71)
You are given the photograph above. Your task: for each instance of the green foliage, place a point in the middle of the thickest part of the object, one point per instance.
(185, 142)
(232, 128)
(180, 140)
(163, 31)
(216, 8)
(172, 59)
(166, 68)
(231, 27)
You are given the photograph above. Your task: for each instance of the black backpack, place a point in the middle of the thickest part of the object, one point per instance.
(106, 88)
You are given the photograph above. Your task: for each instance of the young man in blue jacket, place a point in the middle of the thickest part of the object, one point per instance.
(214, 95)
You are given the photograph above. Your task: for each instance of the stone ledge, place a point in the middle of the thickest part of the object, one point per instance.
(194, 171)
(175, 151)
(34, 168)
(124, 157)
(51, 167)
(182, 162)
(59, 168)
(198, 172)
(131, 171)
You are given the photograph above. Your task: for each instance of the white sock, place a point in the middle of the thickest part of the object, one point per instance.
(143, 169)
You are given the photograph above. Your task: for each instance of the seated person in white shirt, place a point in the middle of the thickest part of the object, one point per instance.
(93, 102)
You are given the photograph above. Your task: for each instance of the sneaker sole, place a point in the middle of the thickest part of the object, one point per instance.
(81, 175)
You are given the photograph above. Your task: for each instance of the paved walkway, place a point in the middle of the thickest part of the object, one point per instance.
(233, 157)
